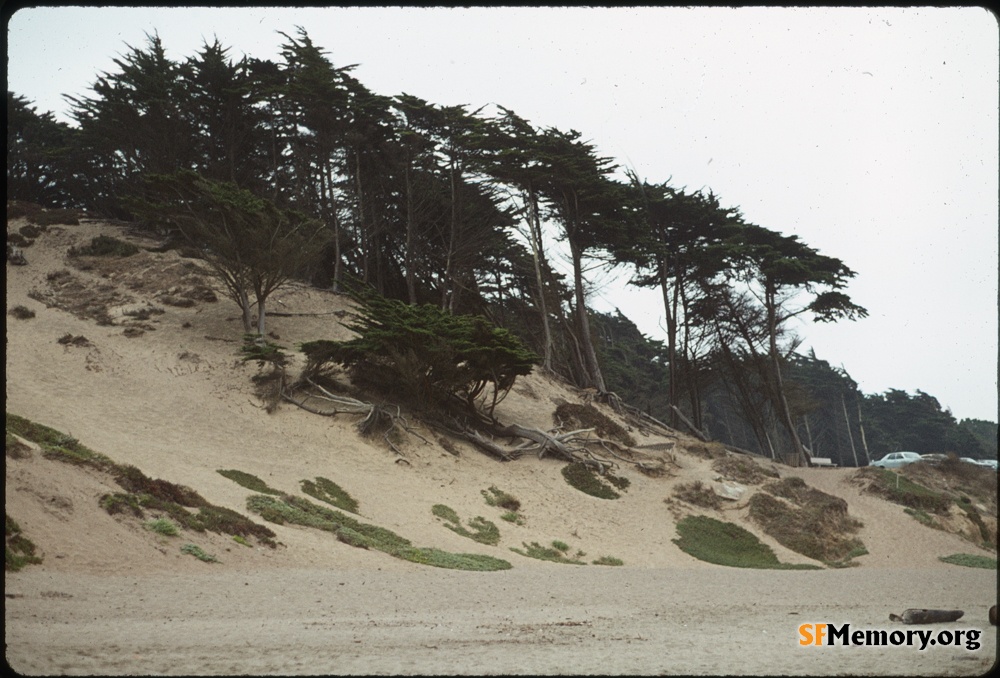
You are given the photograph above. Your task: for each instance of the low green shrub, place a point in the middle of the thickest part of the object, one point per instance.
(970, 560)
(698, 494)
(495, 497)
(198, 553)
(585, 479)
(331, 493)
(18, 549)
(899, 489)
(162, 526)
(722, 543)
(539, 552)
(513, 517)
(298, 511)
(483, 531)
(21, 312)
(105, 246)
(247, 480)
(609, 560)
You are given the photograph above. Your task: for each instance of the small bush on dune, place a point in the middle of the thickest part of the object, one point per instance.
(249, 481)
(331, 493)
(162, 526)
(21, 313)
(899, 489)
(969, 560)
(198, 553)
(585, 479)
(495, 497)
(18, 549)
(698, 494)
(105, 246)
(810, 522)
(553, 554)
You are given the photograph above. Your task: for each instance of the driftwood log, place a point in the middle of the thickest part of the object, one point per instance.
(922, 616)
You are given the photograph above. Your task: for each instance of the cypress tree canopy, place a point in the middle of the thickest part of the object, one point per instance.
(424, 355)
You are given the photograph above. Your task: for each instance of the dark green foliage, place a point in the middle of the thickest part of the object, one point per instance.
(57, 445)
(985, 432)
(249, 481)
(38, 160)
(895, 420)
(121, 502)
(715, 541)
(330, 492)
(424, 356)
(18, 549)
(586, 479)
(634, 366)
(263, 352)
(135, 481)
(252, 246)
(105, 246)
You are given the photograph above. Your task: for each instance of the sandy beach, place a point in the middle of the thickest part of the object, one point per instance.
(528, 621)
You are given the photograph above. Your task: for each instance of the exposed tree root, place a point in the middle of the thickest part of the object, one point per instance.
(576, 446)
(375, 420)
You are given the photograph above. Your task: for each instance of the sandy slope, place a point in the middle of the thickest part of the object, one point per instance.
(111, 597)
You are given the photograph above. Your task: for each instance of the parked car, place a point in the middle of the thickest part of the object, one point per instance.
(897, 459)
(988, 463)
(933, 459)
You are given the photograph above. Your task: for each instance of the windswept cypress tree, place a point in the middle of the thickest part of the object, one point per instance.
(425, 356)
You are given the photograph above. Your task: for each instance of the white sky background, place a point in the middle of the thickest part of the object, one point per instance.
(872, 134)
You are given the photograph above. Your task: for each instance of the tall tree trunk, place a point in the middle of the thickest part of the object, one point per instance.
(670, 311)
(782, 402)
(411, 278)
(849, 435)
(537, 255)
(861, 428)
(593, 367)
(244, 301)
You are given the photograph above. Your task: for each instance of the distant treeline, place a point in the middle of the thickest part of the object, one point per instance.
(462, 208)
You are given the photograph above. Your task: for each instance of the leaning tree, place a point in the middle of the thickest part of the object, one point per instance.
(251, 245)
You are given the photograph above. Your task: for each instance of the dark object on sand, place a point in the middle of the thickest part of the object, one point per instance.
(993, 615)
(927, 616)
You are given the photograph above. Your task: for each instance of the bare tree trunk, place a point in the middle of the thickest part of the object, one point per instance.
(848, 422)
(586, 342)
(670, 310)
(411, 280)
(244, 302)
(537, 254)
(861, 428)
(782, 402)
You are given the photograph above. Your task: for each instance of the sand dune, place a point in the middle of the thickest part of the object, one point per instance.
(173, 400)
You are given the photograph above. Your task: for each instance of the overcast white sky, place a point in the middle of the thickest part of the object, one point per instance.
(870, 133)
